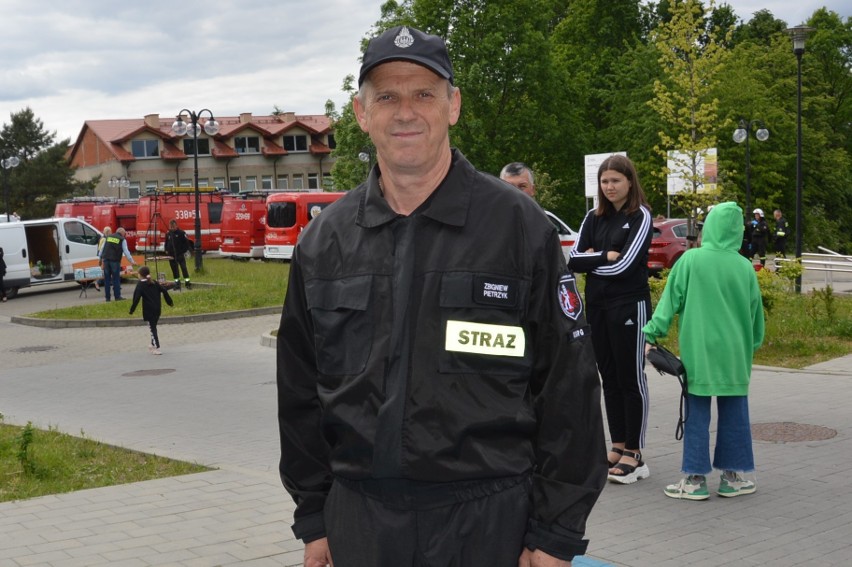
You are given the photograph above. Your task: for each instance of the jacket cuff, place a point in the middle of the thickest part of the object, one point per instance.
(309, 528)
(563, 546)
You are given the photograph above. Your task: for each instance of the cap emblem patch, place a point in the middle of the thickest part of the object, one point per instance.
(404, 38)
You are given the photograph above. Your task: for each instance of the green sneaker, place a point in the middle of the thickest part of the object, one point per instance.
(733, 484)
(692, 487)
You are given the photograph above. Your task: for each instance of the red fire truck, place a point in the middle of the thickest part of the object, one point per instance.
(118, 213)
(78, 208)
(287, 214)
(244, 225)
(178, 203)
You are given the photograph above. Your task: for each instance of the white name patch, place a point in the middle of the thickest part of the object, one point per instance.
(480, 338)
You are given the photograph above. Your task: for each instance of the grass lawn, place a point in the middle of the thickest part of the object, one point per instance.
(229, 285)
(35, 462)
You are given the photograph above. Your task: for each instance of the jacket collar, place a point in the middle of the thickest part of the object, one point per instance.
(448, 204)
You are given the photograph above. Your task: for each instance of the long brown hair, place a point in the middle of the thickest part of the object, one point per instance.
(635, 195)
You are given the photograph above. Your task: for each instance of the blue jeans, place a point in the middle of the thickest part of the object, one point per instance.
(112, 276)
(733, 436)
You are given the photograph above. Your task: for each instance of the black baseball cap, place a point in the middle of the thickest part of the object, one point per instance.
(403, 43)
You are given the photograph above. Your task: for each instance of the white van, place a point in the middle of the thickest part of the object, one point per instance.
(43, 251)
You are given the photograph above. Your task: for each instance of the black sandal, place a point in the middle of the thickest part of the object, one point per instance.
(617, 451)
(628, 474)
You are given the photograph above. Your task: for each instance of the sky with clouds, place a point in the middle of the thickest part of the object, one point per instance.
(77, 60)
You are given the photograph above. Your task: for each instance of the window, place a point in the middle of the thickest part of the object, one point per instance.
(203, 182)
(203, 147)
(150, 187)
(266, 182)
(251, 183)
(247, 144)
(168, 182)
(298, 182)
(234, 184)
(680, 230)
(186, 182)
(296, 143)
(145, 148)
(219, 182)
(332, 143)
(313, 181)
(283, 182)
(134, 189)
(80, 233)
(281, 214)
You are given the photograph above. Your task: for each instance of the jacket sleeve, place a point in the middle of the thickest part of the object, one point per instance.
(137, 295)
(571, 468)
(670, 304)
(304, 465)
(580, 260)
(635, 249)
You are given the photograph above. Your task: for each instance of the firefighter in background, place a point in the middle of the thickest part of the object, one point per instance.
(780, 234)
(176, 246)
(759, 234)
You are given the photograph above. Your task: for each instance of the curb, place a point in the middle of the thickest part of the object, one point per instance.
(79, 323)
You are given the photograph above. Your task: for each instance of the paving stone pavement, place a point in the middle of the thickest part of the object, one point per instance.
(211, 399)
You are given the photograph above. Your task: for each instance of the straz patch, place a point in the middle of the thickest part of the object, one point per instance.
(481, 338)
(569, 297)
(501, 292)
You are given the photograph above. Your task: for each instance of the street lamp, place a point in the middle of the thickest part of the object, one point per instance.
(742, 134)
(181, 128)
(7, 164)
(119, 182)
(799, 34)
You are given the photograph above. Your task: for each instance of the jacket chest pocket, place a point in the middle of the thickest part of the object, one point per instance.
(482, 322)
(343, 329)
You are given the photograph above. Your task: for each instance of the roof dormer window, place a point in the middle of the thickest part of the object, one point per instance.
(247, 144)
(296, 143)
(203, 147)
(145, 148)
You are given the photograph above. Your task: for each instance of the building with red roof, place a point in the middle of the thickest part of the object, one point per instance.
(280, 151)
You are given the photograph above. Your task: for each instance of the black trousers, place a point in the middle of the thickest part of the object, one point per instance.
(179, 260)
(620, 353)
(365, 532)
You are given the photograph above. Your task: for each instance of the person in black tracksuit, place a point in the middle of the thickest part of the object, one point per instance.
(612, 249)
(438, 402)
(148, 290)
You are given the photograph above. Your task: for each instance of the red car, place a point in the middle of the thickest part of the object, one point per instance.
(667, 244)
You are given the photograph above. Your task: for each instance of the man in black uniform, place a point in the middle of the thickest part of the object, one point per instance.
(438, 401)
(780, 234)
(759, 234)
(176, 246)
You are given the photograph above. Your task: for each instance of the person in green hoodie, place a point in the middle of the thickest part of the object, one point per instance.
(714, 291)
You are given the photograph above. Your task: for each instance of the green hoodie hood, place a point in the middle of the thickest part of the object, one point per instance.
(723, 228)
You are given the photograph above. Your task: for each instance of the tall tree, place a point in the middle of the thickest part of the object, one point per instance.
(43, 176)
(692, 61)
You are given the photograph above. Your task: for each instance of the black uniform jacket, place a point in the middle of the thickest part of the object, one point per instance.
(449, 345)
(626, 279)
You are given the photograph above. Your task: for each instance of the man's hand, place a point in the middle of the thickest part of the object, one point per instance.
(317, 554)
(538, 558)
(648, 347)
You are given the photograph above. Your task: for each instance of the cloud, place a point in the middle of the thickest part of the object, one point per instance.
(97, 59)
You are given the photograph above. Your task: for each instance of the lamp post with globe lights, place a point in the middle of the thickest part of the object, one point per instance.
(182, 128)
(799, 35)
(7, 164)
(742, 134)
(119, 183)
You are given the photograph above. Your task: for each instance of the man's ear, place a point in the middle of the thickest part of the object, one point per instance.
(360, 113)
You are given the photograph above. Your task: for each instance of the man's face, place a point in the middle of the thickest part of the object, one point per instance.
(777, 215)
(522, 182)
(407, 111)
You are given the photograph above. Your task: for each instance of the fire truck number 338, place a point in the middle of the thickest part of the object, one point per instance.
(184, 214)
